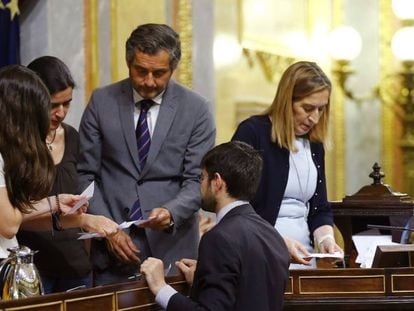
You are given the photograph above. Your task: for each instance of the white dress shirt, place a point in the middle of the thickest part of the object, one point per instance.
(152, 114)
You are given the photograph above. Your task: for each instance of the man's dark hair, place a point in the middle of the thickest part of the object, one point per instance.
(53, 72)
(238, 164)
(152, 38)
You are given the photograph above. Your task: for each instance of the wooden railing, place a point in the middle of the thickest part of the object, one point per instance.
(321, 289)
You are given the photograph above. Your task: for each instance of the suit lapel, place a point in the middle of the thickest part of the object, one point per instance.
(126, 112)
(165, 118)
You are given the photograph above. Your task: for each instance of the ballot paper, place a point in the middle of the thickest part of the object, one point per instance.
(87, 193)
(127, 224)
(366, 246)
(337, 255)
(124, 225)
(89, 235)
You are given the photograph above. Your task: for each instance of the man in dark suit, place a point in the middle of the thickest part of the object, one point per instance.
(157, 179)
(243, 261)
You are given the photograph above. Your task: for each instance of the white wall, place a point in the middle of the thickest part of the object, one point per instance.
(56, 28)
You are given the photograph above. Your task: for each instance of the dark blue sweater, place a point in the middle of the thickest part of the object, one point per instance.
(256, 131)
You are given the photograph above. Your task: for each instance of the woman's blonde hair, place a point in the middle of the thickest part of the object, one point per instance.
(298, 81)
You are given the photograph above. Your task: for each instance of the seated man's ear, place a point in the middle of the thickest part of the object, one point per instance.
(218, 182)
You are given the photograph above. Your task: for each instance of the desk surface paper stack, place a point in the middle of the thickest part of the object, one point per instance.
(366, 244)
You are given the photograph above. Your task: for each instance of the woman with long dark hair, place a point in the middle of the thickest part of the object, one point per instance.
(26, 166)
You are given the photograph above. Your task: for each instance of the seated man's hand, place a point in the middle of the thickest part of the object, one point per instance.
(122, 246)
(153, 269)
(159, 219)
(297, 252)
(187, 267)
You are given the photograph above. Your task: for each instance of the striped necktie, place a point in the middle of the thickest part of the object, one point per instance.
(143, 143)
(142, 132)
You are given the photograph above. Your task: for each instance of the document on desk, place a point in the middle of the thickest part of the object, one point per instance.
(87, 193)
(366, 246)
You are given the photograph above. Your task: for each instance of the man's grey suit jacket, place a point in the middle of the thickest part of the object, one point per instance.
(184, 132)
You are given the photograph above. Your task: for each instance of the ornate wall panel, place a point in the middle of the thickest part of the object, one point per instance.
(392, 157)
(182, 23)
(91, 43)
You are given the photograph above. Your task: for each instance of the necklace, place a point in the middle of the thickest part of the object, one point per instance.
(303, 190)
(49, 143)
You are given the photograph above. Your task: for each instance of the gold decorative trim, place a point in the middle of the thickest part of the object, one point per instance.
(391, 153)
(319, 277)
(393, 276)
(147, 288)
(91, 43)
(137, 307)
(30, 307)
(89, 297)
(132, 290)
(183, 24)
(114, 41)
(336, 156)
(290, 280)
(272, 65)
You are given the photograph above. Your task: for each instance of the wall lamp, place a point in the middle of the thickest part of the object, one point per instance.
(345, 45)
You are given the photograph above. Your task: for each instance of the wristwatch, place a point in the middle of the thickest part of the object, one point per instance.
(170, 227)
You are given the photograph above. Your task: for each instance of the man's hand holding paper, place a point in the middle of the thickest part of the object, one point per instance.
(159, 219)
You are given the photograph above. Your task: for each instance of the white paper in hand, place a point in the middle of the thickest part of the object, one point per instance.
(88, 193)
(89, 235)
(124, 225)
(338, 255)
(127, 224)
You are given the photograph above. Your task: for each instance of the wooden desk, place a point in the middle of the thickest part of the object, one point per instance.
(375, 204)
(322, 289)
(350, 289)
(353, 217)
(124, 296)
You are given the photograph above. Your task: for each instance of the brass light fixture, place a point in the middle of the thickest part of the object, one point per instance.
(347, 47)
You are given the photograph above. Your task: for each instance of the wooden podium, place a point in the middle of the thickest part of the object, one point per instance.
(119, 297)
(321, 289)
(353, 289)
(372, 204)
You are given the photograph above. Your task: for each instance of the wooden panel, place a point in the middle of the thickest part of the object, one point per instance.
(344, 285)
(135, 297)
(50, 306)
(403, 283)
(321, 289)
(289, 286)
(88, 303)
